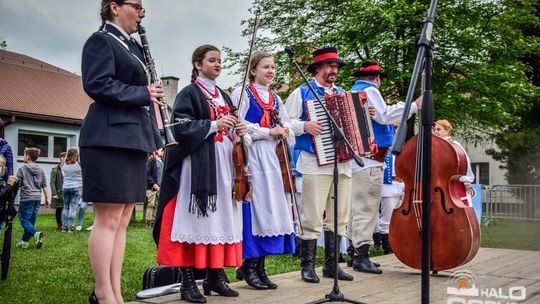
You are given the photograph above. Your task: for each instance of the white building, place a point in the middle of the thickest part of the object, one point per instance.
(43, 106)
(486, 170)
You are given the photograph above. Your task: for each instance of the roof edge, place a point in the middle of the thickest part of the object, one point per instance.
(45, 118)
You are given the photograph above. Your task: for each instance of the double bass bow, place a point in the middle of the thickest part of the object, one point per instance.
(242, 189)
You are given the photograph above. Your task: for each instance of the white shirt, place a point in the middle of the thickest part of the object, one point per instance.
(210, 85)
(255, 131)
(469, 177)
(121, 30)
(384, 114)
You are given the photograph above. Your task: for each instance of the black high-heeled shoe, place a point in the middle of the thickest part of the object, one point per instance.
(92, 299)
(215, 281)
(189, 290)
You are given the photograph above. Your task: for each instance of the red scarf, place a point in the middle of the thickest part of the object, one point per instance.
(208, 93)
(214, 109)
(268, 108)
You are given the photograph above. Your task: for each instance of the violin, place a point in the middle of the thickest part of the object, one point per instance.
(455, 233)
(242, 190)
(287, 173)
(284, 156)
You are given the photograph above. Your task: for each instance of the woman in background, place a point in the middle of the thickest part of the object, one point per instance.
(443, 128)
(71, 188)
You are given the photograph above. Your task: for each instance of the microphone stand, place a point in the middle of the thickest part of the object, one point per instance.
(335, 295)
(424, 60)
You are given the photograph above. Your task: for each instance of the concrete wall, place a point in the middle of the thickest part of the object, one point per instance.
(170, 89)
(477, 154)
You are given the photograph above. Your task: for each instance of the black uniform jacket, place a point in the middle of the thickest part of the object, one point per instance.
(122, 114)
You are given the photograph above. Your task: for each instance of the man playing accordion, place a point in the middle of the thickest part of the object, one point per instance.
(317, 188)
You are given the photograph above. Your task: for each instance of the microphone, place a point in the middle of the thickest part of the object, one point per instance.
(290, 51)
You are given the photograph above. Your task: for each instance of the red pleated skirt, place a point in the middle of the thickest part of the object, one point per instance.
(190, 254)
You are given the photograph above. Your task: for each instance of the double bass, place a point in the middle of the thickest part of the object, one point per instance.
(455, 233)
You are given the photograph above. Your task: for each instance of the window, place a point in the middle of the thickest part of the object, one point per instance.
(33, 141)
(481, 173)
(50, 145)
(60, 145)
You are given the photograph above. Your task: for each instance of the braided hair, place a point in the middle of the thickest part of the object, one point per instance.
(105, 13)
(198, 56)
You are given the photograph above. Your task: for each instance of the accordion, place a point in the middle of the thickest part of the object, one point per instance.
(350, 111)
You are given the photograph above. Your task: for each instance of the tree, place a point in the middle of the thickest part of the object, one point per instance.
(519, 143)
(3, 44)
(480, 79)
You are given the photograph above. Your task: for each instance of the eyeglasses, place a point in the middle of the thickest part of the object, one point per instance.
(136, 6)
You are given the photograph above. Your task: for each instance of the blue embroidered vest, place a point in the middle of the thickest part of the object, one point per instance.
(304, 141)
(255, 111)
(387, 174)
(384, 134)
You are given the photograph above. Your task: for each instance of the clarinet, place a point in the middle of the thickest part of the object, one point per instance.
(169, 138)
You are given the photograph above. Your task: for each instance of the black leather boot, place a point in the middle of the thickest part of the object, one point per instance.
(216, 281)
(386, 244)
(307, 261)
(377, 242)
(188, 289)
(297, 247)
(350, 253)
(329, 255)
(248, 272)
(361, 261)
(262, 274)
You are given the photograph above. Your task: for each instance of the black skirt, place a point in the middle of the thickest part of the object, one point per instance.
(112, 175)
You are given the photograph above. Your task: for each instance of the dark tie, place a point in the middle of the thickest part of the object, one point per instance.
(134, 48)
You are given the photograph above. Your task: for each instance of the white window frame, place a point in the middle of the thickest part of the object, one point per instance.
(50, 144)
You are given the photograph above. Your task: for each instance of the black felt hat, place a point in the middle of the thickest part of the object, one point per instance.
(327, 54)
(369, 68)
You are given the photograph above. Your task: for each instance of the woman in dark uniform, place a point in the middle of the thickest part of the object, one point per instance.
(117, 134)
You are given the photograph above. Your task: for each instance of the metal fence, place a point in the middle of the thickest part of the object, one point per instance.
(511, 201)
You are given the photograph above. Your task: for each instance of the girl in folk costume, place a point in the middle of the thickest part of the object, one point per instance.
(442, 128)
(198, 224)
(268, 226)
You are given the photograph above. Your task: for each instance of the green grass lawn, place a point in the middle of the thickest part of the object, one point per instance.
(60, 272)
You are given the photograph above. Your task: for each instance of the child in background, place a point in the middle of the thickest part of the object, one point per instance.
(57, 182)
(32, 182)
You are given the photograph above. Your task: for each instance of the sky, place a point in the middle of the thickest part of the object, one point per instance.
(54, 31)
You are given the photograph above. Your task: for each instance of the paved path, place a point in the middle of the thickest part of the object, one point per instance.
(494, 271)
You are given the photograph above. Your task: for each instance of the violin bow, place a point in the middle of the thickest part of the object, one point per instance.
(251, 45)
